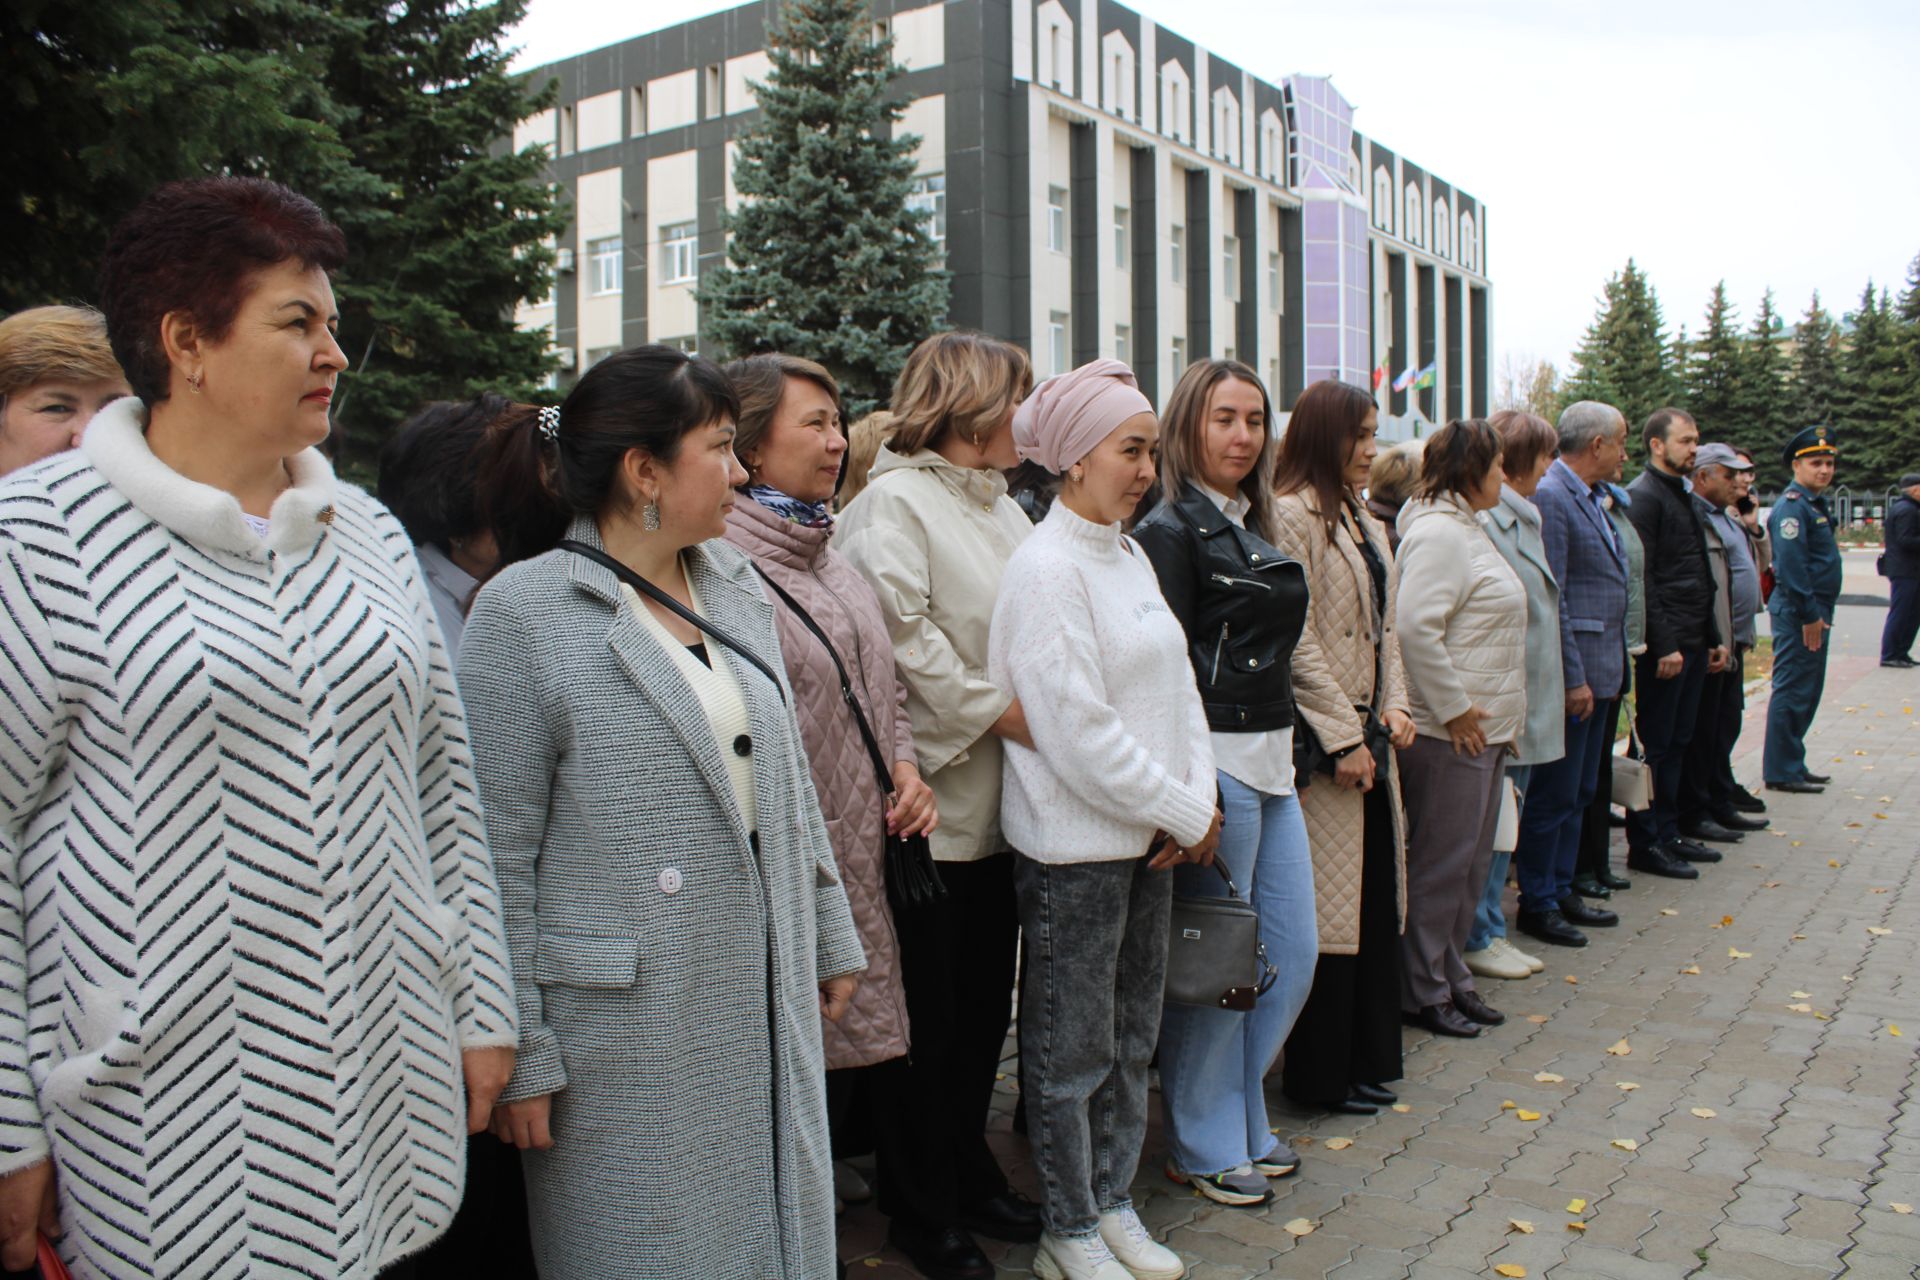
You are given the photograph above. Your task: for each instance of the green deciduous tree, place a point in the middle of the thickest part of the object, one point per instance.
(1624, 359)
(387, 115)
(827, 260)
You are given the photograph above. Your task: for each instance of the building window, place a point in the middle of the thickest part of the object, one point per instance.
(1177, 254)
(715, 81)
(1057, 219)
(1057, 341)
(1123, 343)
(678, 244)
(637, 112)
(1230, 267)
(1122, 237)
(1062, 57)
(1275, 279)
(566, 131)
(928, 195)
(1230, 354)
(603, 265)
(1179, 357)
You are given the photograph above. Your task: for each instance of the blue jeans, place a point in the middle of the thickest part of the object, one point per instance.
(1799, 676)
(1489, 922)
(1213, 1061)
(1558, 794)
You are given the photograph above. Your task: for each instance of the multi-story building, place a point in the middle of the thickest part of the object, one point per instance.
(1101, 186)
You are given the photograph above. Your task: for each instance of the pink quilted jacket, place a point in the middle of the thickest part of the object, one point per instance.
(841, 602)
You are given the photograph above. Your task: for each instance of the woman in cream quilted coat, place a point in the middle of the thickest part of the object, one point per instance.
(1346, 1044)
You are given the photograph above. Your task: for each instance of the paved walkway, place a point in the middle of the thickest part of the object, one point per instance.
(1774, 1121)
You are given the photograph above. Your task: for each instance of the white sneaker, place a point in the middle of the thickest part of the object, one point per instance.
(1534, 963)
(1087, 1258)
(1491, 962)
(1136, 1250)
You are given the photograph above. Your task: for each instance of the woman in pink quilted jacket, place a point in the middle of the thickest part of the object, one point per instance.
(791, 441)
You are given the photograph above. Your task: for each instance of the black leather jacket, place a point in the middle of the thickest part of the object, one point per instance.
(1680, 587)
(1242, 602)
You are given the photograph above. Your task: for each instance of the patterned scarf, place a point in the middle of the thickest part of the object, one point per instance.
(814, 515)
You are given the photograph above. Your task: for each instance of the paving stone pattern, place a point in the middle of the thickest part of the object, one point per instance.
(1815, 1127)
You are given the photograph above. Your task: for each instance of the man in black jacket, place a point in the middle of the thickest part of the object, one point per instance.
(1683, 636)
(1900, 564)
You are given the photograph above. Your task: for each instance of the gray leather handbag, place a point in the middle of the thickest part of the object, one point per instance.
(1215, 958)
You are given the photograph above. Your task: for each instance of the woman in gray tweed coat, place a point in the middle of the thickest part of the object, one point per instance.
(675, 919)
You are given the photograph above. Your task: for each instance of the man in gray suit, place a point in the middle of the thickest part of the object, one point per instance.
(1591, 567)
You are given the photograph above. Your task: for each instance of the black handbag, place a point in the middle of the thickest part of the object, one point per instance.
(1215, 958)
(912, 878)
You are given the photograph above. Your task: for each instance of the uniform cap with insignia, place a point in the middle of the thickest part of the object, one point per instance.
(1807, 442)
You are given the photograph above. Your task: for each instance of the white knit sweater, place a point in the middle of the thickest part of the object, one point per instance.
(247, 918)
(1082, 637)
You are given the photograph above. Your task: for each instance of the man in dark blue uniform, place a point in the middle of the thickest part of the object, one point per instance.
(1806, 570)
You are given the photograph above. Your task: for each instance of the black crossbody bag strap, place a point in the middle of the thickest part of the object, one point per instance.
(673, 606)
(880, 770)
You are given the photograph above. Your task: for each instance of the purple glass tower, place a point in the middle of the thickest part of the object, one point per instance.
(1334, 231)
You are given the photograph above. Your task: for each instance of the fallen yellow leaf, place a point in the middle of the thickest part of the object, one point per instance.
(1668, 911)
(1771, 884)
(1548, 1077)
(1626, 1144)
(1877, 931)
(1402, 1107)
(1512, 1269)
(1576, 1226)
(1300, 1227)
(1575, 981)
(1509, 1105)
(1576, 1206)
(1734, 953)
(1705, 1113)
(1339, 1144)
(1521, 1225)
(1620, 1049)
(1536, 1017)
(1823, 1017)
(1799, 1008)
(1897, 1207)
(1693, 969)
(1626, 1086)
(1879, 890)
(1725, 921)
(1852, 825)
(1832, 862)
(1803, 995)
(873, 1262)
(1892, 1030)
(1797, 937)
(1528, 1116)
(1881, 816)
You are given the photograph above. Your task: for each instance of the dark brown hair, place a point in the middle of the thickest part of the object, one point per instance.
(1524, 439)
(1326, 420)
(1660, 422)
(193, 247)
(426, 468)
(1457, 458)
(761, 383)
(645, 398)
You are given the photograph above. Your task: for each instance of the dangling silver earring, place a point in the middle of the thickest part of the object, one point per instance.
(650, 517)
(193, 382)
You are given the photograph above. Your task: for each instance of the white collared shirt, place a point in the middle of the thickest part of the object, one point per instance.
(1263, 760)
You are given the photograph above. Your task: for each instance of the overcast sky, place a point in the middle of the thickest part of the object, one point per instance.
(1765, 142)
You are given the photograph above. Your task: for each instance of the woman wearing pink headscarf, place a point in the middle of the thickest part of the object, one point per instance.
(1117, 787)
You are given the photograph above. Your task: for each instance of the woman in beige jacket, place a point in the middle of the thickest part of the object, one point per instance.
(1346, 1044)
(932, 532)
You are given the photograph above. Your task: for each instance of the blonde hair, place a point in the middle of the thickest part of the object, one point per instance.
(1394, 472)
(864, 439)
(957, 383)
(1184, 432)
(48, 344)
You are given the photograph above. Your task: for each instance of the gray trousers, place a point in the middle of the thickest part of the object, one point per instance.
(1096, 970)
(1453, 805)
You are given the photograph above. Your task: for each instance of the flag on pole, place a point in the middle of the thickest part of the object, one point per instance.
(1405, 379)
(1379, 375)
(1424, 379)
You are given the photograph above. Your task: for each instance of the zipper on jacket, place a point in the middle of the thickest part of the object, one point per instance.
(1226, 581)
(1218, 648)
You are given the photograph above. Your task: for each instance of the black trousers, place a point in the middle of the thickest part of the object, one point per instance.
(957, 965)
(1706, 773)
(489, 1235)
(1349, 1030)
(1595, 834)
(1666, 712)
(1903, 618)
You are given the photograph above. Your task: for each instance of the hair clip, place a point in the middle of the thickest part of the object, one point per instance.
(550, 423)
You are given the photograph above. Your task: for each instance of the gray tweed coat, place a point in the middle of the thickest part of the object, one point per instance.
(666, 963)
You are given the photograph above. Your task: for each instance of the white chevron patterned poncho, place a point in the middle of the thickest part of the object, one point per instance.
(247, 919)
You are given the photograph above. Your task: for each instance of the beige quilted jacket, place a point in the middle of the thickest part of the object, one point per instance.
(1333, 672)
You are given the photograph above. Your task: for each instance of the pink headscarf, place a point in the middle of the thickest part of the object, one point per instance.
(1070, 413)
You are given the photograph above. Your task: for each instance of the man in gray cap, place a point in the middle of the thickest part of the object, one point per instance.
(1709, 794)
(1900, 564)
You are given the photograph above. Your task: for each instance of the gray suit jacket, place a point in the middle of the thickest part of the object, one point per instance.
(666, 959)
(1514, 526)
(1591, 568)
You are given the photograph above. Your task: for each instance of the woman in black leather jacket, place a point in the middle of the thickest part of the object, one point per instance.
(1243, 604)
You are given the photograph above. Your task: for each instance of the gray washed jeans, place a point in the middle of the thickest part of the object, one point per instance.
(1096, 955)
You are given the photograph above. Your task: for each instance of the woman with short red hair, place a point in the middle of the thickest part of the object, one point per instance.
(254, 979)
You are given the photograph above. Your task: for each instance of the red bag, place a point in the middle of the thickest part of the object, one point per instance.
(1766, 584)
(48, 1263)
